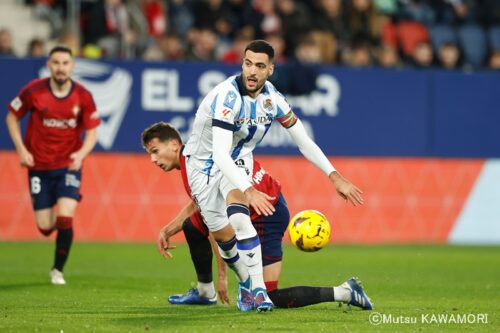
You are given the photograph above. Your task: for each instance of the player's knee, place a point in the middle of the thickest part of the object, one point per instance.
(237, 196)
(225, 234)
(44, 223)
(190, 231)
(46, 232)
(187, 225)
(239, 217)
(235, 209)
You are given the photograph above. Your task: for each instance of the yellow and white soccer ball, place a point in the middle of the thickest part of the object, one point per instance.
(309, 230)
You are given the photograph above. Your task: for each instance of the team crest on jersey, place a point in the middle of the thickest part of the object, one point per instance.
(268, 105)
(76, 110)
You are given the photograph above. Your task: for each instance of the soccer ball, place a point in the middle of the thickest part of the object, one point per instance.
(309, 230)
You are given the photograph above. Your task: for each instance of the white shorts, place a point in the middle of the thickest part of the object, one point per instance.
(210, 192)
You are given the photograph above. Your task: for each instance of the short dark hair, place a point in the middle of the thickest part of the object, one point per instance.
(162, 131)
(261, 46)
(60, 48)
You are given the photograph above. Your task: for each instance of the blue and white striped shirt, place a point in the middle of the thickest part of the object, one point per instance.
(230, 107)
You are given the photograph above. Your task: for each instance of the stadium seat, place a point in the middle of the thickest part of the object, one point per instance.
(410, 34)
(494, 38)
(474, 45)
(441, 34)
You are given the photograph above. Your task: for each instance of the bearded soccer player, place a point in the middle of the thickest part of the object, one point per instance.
(60, 111)
(163, 143)
(230, 121)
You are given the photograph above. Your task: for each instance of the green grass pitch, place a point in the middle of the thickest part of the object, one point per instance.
(123, 288)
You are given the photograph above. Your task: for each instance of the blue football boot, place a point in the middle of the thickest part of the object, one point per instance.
(245, 296)
(261, 300)
(358, 296)
(192, 297)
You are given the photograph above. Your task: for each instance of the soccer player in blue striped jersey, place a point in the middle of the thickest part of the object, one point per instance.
(231, 120)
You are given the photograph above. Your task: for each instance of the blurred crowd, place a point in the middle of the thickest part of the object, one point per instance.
(449, 34)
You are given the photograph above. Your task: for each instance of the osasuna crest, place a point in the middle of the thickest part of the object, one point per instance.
(76, 110)
(111, 88)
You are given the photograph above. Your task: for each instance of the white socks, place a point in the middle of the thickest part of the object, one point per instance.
(229, 253)
(248, 242)
(206, 289)
(341, 294)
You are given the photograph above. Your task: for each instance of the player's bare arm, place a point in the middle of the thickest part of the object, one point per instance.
(88, 144)
(173, 227)
(221, 273)
(346, 189)
(25, 157)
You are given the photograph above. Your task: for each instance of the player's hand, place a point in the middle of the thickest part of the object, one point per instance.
(26, 159)
(346, 189)
(260, 201)
(76, 162)
(222, 289)
(163, 244)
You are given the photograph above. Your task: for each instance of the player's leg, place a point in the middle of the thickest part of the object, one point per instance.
(271, 230)
(43, 188)
(249, 247)
(45, 221)
(68, 195)
(66, 208)
(227, 244)
(201, 256)
(292, 297)
(42, 198)
(206, 193)
(349, 292)
(225, 237)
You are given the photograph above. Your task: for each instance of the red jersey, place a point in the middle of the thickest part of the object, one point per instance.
(261, 180)
(55, 125)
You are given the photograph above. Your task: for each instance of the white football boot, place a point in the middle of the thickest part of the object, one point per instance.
(57, 277)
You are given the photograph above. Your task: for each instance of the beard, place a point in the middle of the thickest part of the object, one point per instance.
(60, 81)
(258, 85)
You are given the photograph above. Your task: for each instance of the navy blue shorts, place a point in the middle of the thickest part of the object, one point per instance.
(46, 186)
(271, 230)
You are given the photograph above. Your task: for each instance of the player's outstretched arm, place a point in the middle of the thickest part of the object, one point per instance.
(173, 227)
(346, 189)
(315, 155)
(25, 157)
